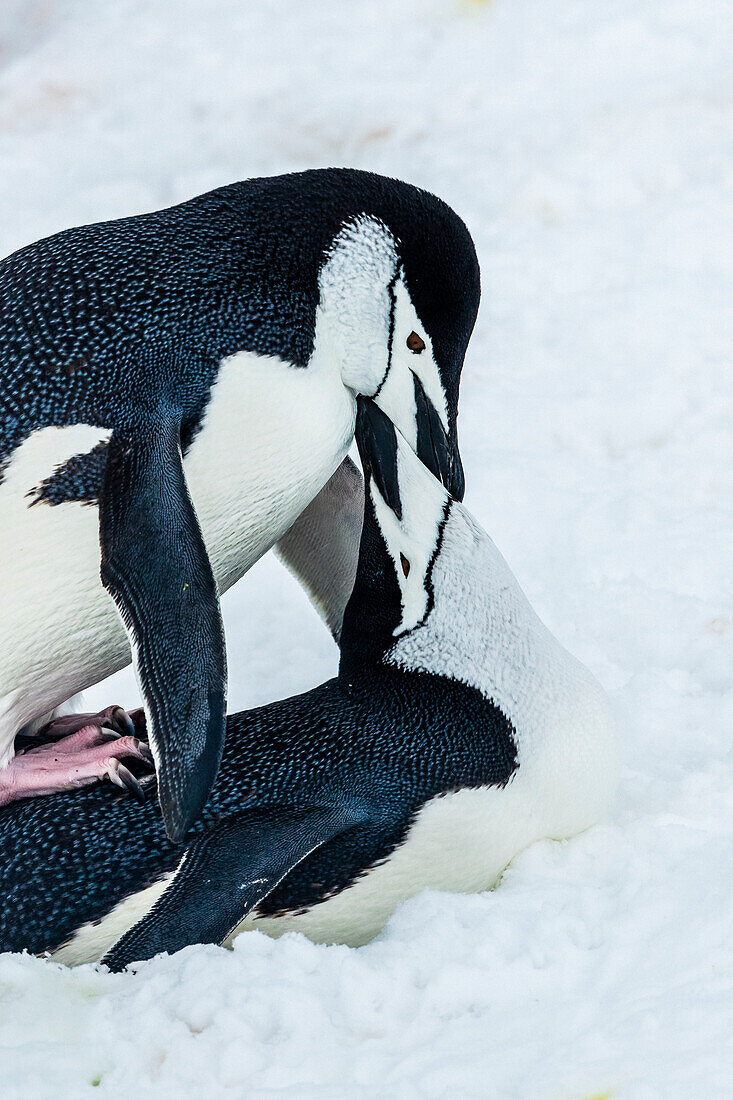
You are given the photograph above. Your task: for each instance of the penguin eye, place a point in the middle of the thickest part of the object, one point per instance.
(415, 343)
(405, 565)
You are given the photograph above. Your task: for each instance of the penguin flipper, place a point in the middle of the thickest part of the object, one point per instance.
(225, 873)
(155, 566)
(321, 548)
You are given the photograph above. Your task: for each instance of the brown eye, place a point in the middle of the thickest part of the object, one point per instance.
(405, 565)
(415, 343)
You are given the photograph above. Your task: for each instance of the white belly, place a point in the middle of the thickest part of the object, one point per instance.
(272, 436)
(460, 842)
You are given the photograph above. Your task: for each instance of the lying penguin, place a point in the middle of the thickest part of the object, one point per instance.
(181, 386)
(457, 732)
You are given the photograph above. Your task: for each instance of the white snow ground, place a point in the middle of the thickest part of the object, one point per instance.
(588, 145)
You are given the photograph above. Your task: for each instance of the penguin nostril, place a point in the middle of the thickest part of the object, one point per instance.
(405, 565)
(415, 343)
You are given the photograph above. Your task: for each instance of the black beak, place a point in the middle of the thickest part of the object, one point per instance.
(435, 448)
(377, 443)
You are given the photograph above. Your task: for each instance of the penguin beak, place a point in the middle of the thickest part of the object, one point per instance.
(377, 442)
(435, 448)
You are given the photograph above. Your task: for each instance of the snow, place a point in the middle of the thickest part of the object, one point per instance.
(588, 146)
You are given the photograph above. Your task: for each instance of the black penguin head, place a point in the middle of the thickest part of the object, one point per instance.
(379, 279)
(405, 511)
(338, 269)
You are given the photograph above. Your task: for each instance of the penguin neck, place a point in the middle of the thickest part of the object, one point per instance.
(374, 608)
(419, 673)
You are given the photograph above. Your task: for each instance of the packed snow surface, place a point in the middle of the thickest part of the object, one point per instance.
(588, 145)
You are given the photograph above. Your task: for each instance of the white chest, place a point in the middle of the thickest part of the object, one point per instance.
(460, 842)
(271, 437)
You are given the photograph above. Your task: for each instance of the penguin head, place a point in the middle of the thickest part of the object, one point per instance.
(398, 297)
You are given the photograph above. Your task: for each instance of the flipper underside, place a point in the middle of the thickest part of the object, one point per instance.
(321, 549)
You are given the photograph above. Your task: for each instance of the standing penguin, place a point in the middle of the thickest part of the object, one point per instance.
(191, 375)
(457, 732)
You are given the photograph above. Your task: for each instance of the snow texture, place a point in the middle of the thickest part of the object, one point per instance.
(587, 143)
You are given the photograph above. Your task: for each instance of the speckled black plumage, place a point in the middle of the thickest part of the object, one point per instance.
(377, 742)
(389, 742)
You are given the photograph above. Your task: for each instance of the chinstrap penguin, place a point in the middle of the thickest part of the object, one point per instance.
(457, 732)
(180, 386)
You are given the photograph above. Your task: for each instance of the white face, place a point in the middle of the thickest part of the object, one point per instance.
(372, 327)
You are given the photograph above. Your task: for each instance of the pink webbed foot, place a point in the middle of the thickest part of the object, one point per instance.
(63, 761)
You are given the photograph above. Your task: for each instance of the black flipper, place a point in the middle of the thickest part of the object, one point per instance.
(225, 873)
(154, 564)
(321, 549)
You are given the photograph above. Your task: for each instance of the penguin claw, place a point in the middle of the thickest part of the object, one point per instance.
(139, 722)
(121, 720)
(123, 777)
(146, 752)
